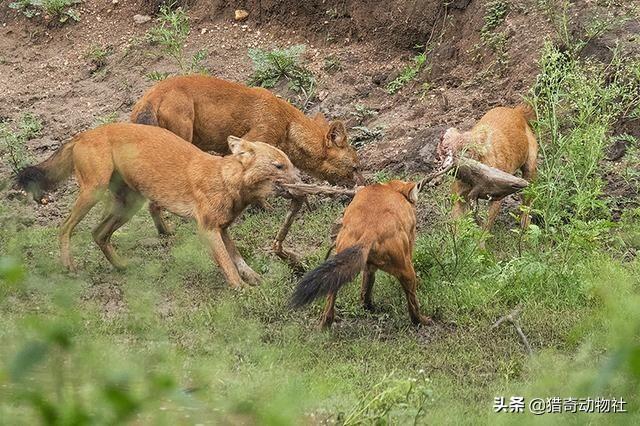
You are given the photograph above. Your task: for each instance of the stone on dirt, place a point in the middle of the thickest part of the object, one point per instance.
(141, 19)
(241, 15)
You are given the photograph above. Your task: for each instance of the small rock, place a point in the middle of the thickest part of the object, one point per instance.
(114, 1)
(141, 19)
(241, 15)
(203, 31)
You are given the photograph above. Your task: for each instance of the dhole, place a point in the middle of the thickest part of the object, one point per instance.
(131, 162)
(206, 110)
(378, 232)
(501, 139)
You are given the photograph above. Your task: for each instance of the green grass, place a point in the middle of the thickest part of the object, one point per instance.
(13, 139)
(170, 34)
(408, 74)
(60, 10)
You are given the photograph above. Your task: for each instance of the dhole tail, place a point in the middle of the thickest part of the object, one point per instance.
(46, 175)
(330, 276)
(527, 111)
(144, 115)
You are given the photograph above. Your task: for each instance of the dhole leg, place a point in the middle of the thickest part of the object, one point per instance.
(85, 202)
(156, 214)
(368, 279)
(329, 314)
(245, 270)
(492, 214)
(125, 205)
(409, 284)
(220, 254)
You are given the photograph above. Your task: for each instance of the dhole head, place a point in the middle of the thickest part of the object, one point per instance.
(408, 189)
(450, 144)
(339, 164)
(263, 162)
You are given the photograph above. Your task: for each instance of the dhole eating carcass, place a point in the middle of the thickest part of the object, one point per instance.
(501, 139)
(378, 232)
(130, 162)
(206, 110)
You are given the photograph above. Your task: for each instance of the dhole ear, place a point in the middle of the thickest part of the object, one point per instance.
(337, 134)
(319, 117)
(410, 192)
(239, 146)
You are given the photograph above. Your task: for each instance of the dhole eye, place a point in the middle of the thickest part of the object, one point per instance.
(279, 166)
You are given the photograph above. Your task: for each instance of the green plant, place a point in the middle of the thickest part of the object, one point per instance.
(362, 112)
(497, 41)
(407, 74)
(332, 64)
(60, 10)
(98, 55)
(392, 401)
(111, 117)
(157, 75)
(362, 135)
(577, 103)
(170, 35)
(13, 140)
(269, 67)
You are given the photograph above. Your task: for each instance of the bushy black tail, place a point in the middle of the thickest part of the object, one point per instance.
(330, 276)
(46, 175)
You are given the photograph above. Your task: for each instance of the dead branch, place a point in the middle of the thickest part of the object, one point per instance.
(512, 317)
(488, 183)
(300, 190)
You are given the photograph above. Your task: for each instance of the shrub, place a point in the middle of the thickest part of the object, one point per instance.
(577, 103)
(270, 67)
(13, 141)
(170, 35)
(60, 10)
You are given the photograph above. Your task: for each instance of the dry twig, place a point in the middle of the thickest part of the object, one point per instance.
(512, 317)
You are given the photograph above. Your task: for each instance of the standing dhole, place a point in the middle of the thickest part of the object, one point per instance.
(378, 232)
(206, 110)
(501, 139)
(131, 162)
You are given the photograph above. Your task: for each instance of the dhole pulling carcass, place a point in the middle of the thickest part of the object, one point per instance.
(378, 232)
(206, 110)
(501, 139)
(130, 162)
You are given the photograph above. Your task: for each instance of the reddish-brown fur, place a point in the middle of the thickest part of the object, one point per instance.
(501, 139)
(378, 232)
(206, 110)
(131, 162)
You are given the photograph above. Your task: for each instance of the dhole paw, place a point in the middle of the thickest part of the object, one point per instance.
(251, 277)
(120, 264)
(424, 320)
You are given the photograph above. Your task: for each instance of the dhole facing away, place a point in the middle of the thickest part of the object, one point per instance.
(206, 110)
(130, 162)
(378, 232)
(501, 139)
